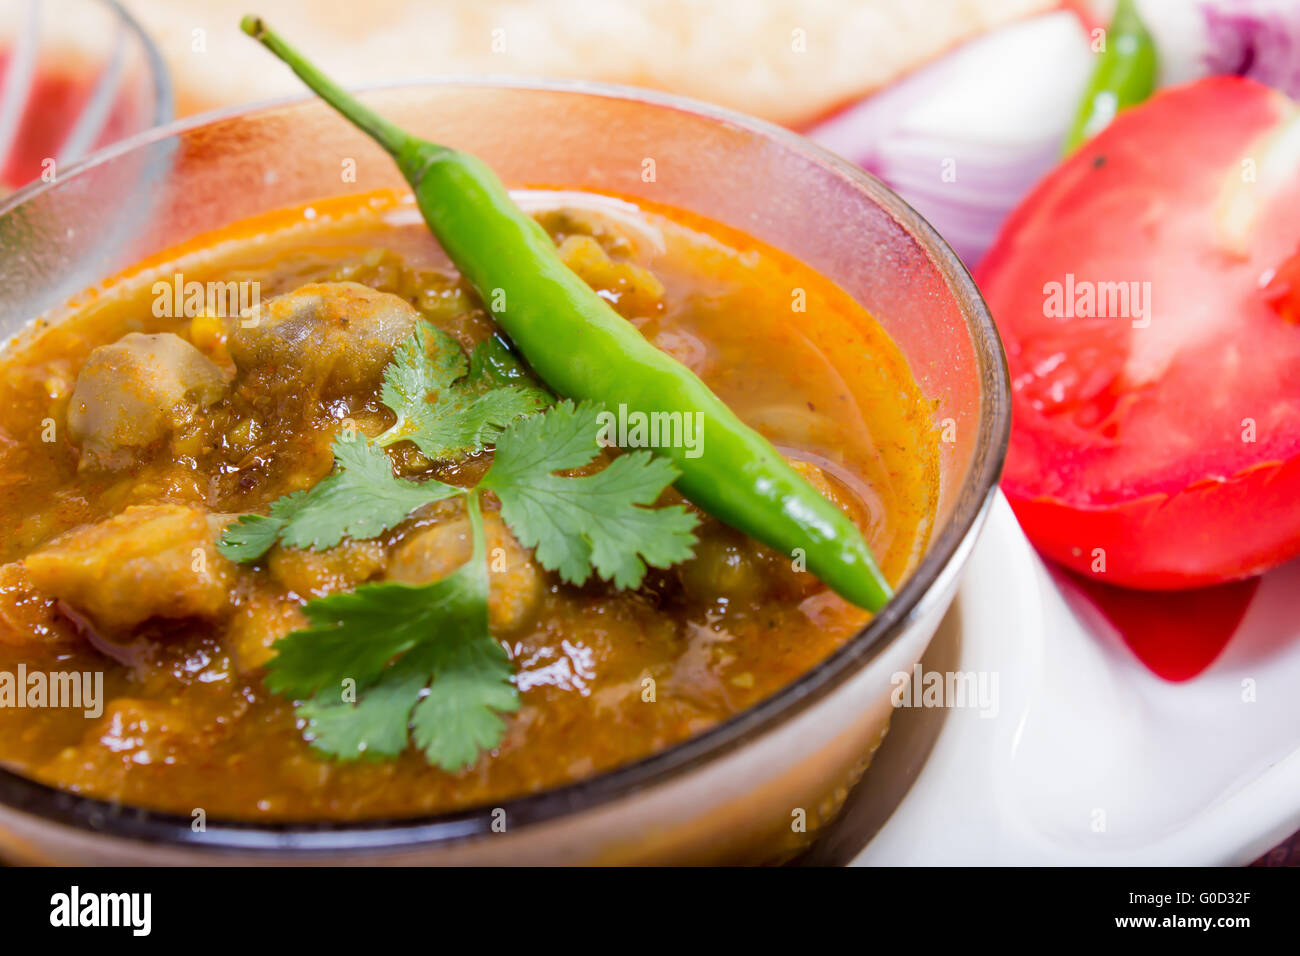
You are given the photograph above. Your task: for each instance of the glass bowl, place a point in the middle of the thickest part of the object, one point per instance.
(75, 75)
(728, 794)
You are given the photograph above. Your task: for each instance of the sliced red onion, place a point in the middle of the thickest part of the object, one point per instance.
(129, 655)
(1255, 38)
(965, 138)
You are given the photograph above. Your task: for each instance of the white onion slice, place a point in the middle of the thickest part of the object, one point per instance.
(964, 138)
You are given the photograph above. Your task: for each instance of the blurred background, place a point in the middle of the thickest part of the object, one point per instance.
(897, 85)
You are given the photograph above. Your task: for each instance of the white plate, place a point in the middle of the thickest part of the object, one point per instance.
(1091, 758)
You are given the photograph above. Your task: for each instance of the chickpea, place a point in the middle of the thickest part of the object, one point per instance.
(318, 573)
(725, 567)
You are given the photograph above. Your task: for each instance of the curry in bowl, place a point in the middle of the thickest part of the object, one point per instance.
(167, 428)
(344, 552)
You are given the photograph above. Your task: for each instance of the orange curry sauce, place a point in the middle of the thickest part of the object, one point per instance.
(186, 722)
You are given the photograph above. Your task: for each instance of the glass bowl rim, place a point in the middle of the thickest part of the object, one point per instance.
(941, 561)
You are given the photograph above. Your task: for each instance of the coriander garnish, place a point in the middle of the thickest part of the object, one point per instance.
(439, 406)
(389, 664)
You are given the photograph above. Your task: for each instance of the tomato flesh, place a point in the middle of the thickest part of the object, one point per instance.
(1147, 294)
(1283, 290)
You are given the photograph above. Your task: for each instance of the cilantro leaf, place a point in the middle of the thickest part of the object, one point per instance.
(597, 523)
(461, 713)
(361, 499)
(389, 665)
(351, 635)
(253, 535)
(250, 537)
(493, 363)
(376, 726)
(391, 641)
(439, 407)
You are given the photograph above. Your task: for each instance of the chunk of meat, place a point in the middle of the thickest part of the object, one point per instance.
(338, 335)
(134, 393)
(514, 579)
(26, 615)
(318, 573)
(149, 561)
(256, 625)
(132, 735)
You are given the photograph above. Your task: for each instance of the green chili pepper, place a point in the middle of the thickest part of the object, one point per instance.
(583, 349)
(1125, 76)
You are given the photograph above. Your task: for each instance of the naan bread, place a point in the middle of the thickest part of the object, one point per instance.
(784, 60)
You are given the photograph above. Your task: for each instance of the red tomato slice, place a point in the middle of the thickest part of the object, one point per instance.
(1145, 291)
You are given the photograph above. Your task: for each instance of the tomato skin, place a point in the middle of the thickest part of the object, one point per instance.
(1142, 478)
(1206, 534)
(1283, 290)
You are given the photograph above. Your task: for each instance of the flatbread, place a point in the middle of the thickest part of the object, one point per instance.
(785, 60)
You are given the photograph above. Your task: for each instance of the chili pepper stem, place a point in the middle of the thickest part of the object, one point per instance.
(391, 137)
